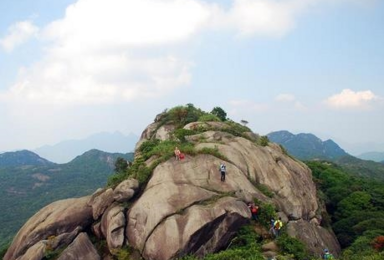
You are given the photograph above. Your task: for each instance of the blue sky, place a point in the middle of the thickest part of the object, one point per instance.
(69, 68)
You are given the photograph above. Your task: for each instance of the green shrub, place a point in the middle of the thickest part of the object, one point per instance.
(3, 250)
(116, 178)
(265, 190)
(237, 254)
(263, 140)
(292, 246)
(123, 253)
(213, 151)
(265, 213)
(209, 118)
(182, 133)
(246, 237)
(148, 146)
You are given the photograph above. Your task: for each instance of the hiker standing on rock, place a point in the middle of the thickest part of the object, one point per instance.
(223, 171)
(177, 153)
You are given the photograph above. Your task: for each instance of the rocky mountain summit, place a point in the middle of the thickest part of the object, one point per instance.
(176, 208)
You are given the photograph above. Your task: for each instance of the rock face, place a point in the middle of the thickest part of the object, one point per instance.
(184, 208)
(81, 249)
(57, 218)
(308, 232)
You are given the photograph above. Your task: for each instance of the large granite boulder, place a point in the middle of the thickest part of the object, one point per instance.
(113, 226)
(316, 237)
(57, 218)
(80, 249)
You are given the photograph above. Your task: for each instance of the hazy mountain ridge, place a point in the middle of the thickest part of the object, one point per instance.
(22, 158)
(66, 151)
(310, 147)
(307, 146)
(25, 188)
(373, 156)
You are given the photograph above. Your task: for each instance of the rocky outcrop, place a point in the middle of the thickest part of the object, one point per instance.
(57, 218)
(184, 208)
(59, 225)
(317, 238)
(113, 225)
(125, 190)
(81, 249)
(100, 201)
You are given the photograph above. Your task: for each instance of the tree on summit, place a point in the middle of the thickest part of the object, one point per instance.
(244, 122)
(220, 113)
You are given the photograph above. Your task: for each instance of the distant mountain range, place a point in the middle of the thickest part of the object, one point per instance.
(310, 147)
(307, 146)
(65, 151)
(373, 156)
(29, 182)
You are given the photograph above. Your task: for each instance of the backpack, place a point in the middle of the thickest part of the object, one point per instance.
(277, 224)
(254, 209)
(222, 168)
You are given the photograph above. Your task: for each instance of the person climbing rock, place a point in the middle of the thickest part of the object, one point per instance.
(254, 210)
(177, 153)
(277, 227)
(327, 254)
(271, 226)
(223, 170)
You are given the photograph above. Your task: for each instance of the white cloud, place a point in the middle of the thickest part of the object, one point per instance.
(262, 17)
(110, 51)
(18, 34)
(285, 98)
(120, 23)
(351, 99)
(105, 51)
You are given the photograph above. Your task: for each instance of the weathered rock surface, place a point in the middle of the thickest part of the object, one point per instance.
(199, 230)
(112, 226)
(60, 217)
(284, 176)
(125, 190)
(81, 249)
(35, 252)
(317, 238)
(100, 201)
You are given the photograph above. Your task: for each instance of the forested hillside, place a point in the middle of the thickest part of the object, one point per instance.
(356, 208)
(27, 188)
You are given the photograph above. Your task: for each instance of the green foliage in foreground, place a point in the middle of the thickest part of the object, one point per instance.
(265, 213)
(263, 141)
(292, 246)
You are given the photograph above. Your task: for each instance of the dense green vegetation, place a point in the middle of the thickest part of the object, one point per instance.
(356, 208)
(26, 189)
(362, 168)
